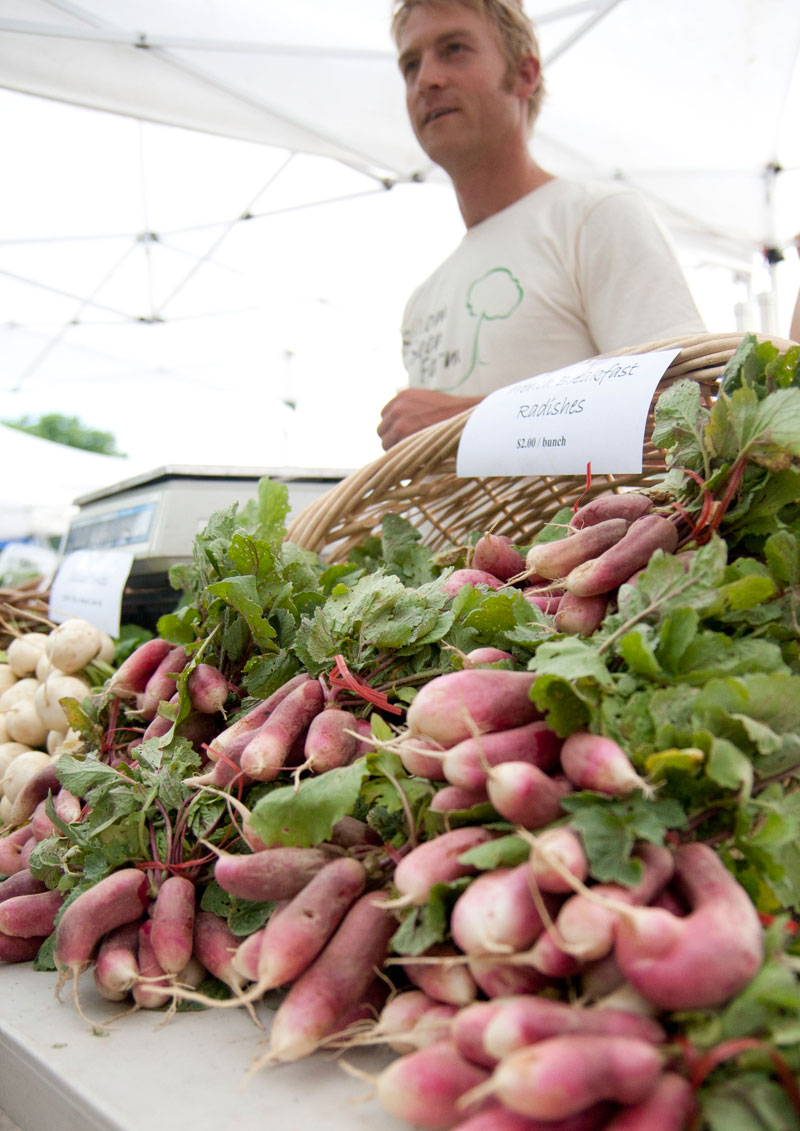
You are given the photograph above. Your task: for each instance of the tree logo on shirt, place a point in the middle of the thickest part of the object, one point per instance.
(495, 295)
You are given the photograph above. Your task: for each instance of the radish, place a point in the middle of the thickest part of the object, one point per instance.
(331, 741)
(496, 554)
(701, 959)
(172, 924)
(116, 968)
(424, 1087)
(33, 791)
(215, 946)
(444, 977)
(26, 916)
(461, 577)
(19, 690)
(151, 989)
(271, 874)
(410, 1019)
(11, 846)
(592, 761)
(468, 1031)
(423, 759)
(451, 798)
(436, 861)
(526, 795)
(669, 1107)
(556, 559)
(496, 1117)
(561, 1076)
(130, 678)
(586, 925)
(118, 898)
(14, 949)
(459, 704)
(487, 655)
(497, 978)
(526, 1019)
(24, 724)
(160, 687)
(547, 601)
(629, 505)
(468, 762)
(557, 855)
(22, 769)
(266, 753)
(607, 571)
(20, 883)
(49, 694)
(496, 914)
(335, 983)
(580, 616)
(208, 689)
(230, 742)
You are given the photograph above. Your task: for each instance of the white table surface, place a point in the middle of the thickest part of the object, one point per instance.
(187, 1074)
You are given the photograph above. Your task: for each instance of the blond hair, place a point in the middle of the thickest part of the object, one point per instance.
(514, 28)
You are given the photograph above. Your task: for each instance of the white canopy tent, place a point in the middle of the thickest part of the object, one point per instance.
(210, 261)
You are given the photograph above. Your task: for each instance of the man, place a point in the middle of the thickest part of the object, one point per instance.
(550, 271)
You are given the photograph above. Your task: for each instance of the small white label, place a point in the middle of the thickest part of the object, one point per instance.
(90, 584)
(594, 412)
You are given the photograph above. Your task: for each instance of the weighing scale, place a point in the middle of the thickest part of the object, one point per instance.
(156, 516)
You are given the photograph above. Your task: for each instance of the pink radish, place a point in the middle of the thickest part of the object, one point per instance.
(116, 967)
(607, 571)
(335, 982)
(496, 914)
(468, 1031)
(629, 505)
(561, 1076)
(496, 1117)
(35, 790)
(231, 741)
(131, 676)
(208, 689)
(486, 655)
(412, 1018)
(526, 795)
(13, 949)
(452, 798)
(151, 990)
(436, 861)
(160, 687)
(703, 958)
(11, 846)
(21, 883)
(498, 979)
(266, 753)
(271, 874)
(424, 1087)
(467, 763)
(172, 924)
(423, 759)
(68, 807)
(119, 898)
(556, 855)
(592, 761)
(525, 1019)
(547, 601)
(444, 976)
(215, 946)
(461, 577)
(458, 704)
(556, 559)
(26, 916)
(669, 1107)
(586, 925)
(496, 554)
(580, 616)
(331, 741)
(245, 960)
(293, 939)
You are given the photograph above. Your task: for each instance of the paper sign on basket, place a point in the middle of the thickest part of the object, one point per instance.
(90, 584)
(593, 412)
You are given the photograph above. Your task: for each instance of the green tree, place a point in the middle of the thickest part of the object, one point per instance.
(67, 430)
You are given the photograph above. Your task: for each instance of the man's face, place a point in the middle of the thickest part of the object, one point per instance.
(461, 103)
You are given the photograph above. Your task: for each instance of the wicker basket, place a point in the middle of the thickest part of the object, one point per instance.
(417, 478)
(24, 608)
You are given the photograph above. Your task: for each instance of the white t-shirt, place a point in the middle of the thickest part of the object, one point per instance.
(570, 271)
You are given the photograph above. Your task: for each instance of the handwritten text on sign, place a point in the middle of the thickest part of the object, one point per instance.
(556, 423)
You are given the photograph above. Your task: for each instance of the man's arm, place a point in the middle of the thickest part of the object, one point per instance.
(414, 409)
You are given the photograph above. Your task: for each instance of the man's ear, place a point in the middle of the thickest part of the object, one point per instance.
(529, 72)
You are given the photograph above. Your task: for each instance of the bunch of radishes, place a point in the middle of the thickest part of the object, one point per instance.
(574, 578)
(40, 670)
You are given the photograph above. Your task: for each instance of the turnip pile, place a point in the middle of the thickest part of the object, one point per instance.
(525, 814)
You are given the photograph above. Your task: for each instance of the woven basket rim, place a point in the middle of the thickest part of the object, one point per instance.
(346, 510)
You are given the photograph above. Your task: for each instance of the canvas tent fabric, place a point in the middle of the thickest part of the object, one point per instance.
(695, 101)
